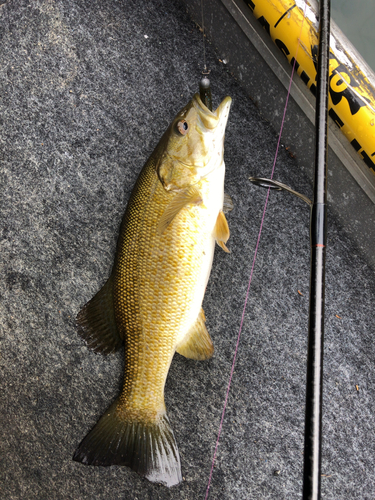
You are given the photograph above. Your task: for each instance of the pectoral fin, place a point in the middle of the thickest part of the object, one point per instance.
(186, 197)
(221, 231)
(197, 343)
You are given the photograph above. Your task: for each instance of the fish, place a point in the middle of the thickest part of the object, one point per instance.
(152, 302)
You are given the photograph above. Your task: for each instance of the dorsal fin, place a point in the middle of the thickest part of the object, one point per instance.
(97, 324)
(227, 204)
(197, 343)
(185, 197)
(221, 231)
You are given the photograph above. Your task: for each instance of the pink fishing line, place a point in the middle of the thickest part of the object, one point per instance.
(252, 267)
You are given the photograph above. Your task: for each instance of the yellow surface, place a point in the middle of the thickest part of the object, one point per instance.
(351, 96)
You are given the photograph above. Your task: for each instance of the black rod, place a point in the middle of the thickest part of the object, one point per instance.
(314, 382)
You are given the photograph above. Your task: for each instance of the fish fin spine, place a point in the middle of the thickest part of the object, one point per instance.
(148, 448)
(97, 324)
(197, 343)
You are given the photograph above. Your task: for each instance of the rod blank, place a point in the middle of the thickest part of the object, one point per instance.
(318, 232)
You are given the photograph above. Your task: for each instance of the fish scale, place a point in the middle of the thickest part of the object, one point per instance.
(152, 301)
(162, 274)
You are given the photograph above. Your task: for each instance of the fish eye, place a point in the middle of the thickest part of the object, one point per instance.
(183, 127)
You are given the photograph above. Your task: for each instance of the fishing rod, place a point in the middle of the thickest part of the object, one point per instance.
(318, 238)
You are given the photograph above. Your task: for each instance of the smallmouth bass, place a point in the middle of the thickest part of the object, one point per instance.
(152, 301)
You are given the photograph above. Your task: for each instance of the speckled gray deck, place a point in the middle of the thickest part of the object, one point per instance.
(86, 90)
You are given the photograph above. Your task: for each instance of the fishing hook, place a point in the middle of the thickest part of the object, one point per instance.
(279, 186)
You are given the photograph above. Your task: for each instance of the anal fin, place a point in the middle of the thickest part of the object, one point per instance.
(221, 231)
(97, 324)
(197, 343)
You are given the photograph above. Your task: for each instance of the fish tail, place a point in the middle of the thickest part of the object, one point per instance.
(148, 448)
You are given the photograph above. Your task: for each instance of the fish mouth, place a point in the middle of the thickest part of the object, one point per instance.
(213, 119)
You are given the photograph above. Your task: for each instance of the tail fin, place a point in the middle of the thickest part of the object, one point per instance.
(147, 448)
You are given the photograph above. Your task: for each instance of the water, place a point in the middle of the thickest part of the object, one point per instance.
(356, 18)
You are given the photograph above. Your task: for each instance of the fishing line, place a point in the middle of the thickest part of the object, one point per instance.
(254, 259)
(204, 84)
(204, 42)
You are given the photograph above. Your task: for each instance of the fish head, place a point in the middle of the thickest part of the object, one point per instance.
(194, 144)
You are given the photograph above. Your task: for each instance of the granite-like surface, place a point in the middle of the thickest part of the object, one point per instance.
(86, 90)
